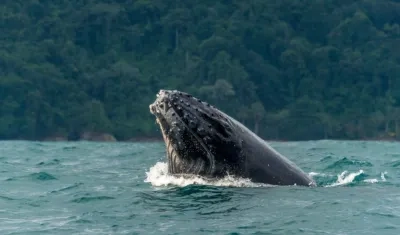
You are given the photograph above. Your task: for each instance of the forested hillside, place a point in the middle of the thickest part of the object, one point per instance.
(304, 69)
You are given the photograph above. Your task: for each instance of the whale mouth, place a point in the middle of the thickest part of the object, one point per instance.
(189, 149)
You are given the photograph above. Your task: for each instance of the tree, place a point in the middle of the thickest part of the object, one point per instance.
(288, 69)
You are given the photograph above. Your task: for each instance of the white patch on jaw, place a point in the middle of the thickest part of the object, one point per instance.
(177, 160)
(173, 159)
(162, 130)
(199, 164)
(172, 153)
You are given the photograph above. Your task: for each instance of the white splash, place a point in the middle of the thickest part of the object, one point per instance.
(345, 178)
(372, 181)
(312, 174)
(158, 176)
(383, 178)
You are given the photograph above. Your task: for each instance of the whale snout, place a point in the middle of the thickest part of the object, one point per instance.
(180, 109)
(162, 103)
(183, 109)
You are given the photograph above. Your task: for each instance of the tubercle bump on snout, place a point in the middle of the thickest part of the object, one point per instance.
(175, 95)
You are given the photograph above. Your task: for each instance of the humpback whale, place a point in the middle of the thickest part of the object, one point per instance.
(202, 140)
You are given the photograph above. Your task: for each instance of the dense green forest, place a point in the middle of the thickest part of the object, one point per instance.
(295, 70)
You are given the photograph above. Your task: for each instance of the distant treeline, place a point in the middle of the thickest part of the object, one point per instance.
(287, 69)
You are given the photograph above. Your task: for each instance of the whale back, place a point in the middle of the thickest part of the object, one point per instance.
(264, 164)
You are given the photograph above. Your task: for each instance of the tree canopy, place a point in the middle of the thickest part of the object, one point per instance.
(287, 69)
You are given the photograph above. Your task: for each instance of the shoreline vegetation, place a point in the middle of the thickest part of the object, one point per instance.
(288, 70)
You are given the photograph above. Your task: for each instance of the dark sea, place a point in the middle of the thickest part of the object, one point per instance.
(124, 188)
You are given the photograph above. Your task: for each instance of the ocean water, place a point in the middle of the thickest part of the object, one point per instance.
(123, 188)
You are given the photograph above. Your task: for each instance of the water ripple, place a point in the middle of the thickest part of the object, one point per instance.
(345, 162)
(105, 188)
(42, 176)
(91, 199)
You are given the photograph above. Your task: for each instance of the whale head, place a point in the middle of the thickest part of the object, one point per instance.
(199, 138)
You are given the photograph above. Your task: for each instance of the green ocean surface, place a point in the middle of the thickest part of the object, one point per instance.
(124, 188)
